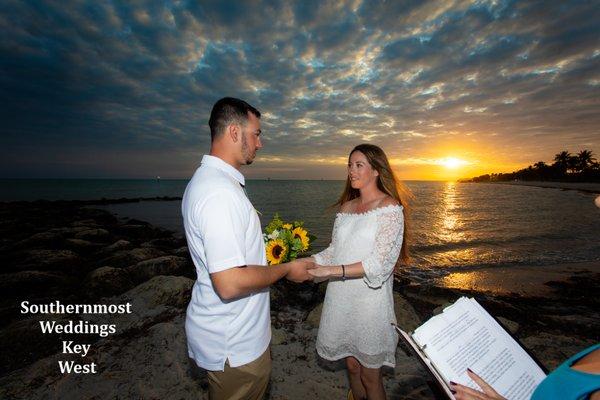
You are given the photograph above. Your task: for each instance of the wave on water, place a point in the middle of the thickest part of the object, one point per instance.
(473, 243)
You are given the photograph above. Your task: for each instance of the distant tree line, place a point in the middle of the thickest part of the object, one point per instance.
(566, 167)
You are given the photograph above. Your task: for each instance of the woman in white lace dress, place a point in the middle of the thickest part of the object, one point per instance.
(368, 239)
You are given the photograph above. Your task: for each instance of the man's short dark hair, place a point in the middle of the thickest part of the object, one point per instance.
(227, 111)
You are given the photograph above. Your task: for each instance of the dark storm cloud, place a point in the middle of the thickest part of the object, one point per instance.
(124, 89)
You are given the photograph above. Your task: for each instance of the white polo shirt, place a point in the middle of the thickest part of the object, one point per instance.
(223, 231)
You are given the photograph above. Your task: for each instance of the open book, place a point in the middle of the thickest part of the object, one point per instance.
(465, 336)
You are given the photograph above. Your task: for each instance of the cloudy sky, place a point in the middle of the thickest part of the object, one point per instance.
(124, 89)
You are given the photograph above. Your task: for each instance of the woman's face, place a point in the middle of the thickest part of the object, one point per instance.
(360, 172)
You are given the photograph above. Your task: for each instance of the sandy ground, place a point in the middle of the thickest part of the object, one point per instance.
(299, 373)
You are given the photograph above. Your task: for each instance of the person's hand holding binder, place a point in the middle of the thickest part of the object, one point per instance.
(465, 393)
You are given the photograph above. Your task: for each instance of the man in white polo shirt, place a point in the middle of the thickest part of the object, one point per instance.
(228, 322)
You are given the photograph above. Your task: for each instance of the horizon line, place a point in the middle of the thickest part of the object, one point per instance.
(248, 179)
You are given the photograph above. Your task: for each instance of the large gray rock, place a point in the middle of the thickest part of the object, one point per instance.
(43, 259)
(46, 238)
(108, 281)
(69, 231)
(141, 231)
(116, 246)
(96, 235)
(153, 364)
(172, 291)
(166, 265)
(125, 258)
(182, 252)
(512, 326)
(552, 349)
(440, 309)
(408, 320)
(590, 323)
(166, 243)
(23, 282)
(314, 317)
(80, 244)
(87, 223)
(156, 300)
(22, 342)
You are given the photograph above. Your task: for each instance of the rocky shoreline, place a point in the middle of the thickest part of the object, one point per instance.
(70, 252)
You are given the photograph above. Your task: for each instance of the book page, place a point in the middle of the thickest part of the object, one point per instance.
(466, 336)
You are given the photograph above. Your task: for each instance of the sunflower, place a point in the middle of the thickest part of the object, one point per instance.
(287, 226)
(302, 235)
(276, 251)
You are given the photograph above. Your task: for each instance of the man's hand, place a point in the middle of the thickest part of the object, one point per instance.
(298, 270)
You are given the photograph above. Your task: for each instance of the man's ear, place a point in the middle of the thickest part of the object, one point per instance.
(233, 131)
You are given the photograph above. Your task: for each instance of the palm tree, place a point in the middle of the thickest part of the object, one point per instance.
(573, 164)
(585, 159)
(542, 170)
(562, 157)
(561, 161)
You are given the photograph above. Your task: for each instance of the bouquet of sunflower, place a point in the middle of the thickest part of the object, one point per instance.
(285, 241)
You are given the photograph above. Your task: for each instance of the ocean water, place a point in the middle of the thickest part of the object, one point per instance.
(452, 225)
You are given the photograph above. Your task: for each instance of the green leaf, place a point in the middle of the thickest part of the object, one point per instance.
(276, 223)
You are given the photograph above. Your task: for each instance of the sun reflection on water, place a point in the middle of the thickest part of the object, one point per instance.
(461, 280)
(479, 281)
(451, 222)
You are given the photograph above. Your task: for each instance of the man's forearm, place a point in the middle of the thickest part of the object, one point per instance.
(240, 281)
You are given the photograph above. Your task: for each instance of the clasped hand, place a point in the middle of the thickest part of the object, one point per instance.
(320, 273)
(299, 270)
(305, 269)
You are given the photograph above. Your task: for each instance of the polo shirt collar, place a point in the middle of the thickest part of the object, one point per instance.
(216, 162)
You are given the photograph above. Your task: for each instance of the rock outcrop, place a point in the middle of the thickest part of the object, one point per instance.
(79, 255)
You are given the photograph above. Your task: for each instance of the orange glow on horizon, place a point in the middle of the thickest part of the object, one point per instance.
(449, 162)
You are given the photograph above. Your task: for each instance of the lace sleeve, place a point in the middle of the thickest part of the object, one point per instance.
(379, 265)
(326, 256)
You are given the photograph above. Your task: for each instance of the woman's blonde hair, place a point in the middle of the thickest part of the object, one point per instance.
(387, 183)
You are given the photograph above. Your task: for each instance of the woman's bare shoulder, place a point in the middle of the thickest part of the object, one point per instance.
(348, 206)
(388, 201)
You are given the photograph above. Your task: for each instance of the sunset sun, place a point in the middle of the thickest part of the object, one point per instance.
(452, 162)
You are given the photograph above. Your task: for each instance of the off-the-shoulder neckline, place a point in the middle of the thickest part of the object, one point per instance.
(373, 211)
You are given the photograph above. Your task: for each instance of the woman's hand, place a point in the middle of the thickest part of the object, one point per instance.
(299, 270)
(320, 273)
(465, 393)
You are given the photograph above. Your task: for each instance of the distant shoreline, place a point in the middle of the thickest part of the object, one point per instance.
(101, 201)
(586, 187)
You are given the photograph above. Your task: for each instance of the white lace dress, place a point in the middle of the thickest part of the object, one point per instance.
(357, 313)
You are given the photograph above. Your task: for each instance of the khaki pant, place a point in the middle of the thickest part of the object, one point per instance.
(246, 382)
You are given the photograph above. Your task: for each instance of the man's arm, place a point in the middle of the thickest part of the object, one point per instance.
(240, 281)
